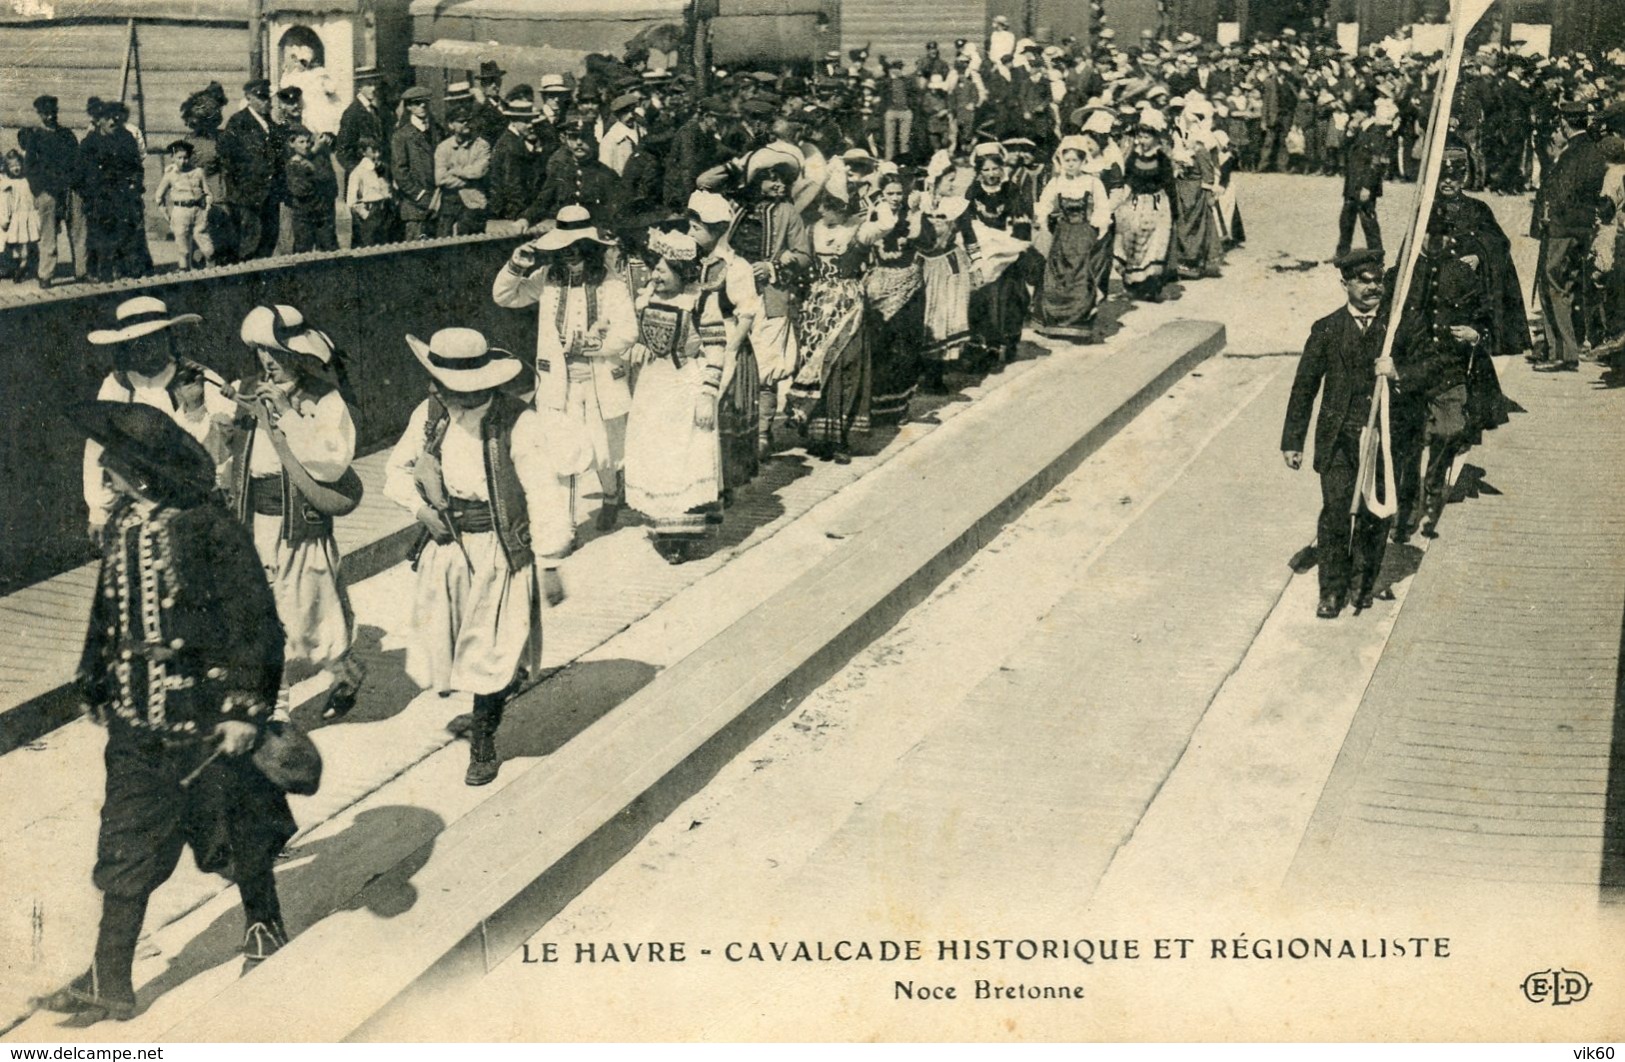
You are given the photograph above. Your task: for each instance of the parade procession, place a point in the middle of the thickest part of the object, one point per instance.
(444, 477)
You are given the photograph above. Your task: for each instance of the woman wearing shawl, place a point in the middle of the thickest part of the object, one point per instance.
(1145, 221)
(1074, 212)
(1198, 247)
(998, 308)
(896, 304)
(831, 389)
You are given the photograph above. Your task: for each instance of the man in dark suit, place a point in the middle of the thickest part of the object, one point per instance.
(1565, 220)
(361, 120)
(1363, 161)
(251, 162)
(1343, 354)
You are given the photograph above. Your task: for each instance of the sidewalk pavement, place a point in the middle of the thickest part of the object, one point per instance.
(48, 912)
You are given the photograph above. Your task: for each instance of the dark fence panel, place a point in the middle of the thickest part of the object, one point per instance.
(368, 301)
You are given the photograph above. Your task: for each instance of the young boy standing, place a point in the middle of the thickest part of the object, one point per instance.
(309, 195)
(184, 191)
(368, 197)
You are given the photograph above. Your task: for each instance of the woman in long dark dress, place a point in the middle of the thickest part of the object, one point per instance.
(999, 307)
(1198, 245)
(1073, 212)
(895, 313)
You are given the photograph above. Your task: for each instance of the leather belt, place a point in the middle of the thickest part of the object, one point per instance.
(265, 495)
(473, 517)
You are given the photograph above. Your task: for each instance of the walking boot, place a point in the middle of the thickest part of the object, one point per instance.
(105, 990)
(609, 513)
(483, 763)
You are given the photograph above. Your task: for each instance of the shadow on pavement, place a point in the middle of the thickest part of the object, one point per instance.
(542, 720)
(385, 692)
(330, 874)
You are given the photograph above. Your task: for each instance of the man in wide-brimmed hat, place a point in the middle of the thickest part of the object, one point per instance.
(143, 351)
(181, 665)
(490, 481)
(585, 325)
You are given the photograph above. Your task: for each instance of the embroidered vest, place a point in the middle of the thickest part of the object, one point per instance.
(509, 516)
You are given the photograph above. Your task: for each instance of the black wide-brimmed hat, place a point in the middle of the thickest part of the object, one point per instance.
(148, 443)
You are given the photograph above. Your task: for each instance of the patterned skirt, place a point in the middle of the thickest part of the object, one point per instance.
(738, 417)
(831, 389)
(947, 304)
(1145, 225)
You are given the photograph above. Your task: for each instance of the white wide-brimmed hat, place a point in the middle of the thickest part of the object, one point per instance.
(461, 360)
(140, 316)
(271, 326)
(574, 223)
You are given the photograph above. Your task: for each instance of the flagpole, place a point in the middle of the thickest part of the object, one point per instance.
(1464, 15)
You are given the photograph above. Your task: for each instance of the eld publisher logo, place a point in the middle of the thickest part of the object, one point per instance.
(1557, 987)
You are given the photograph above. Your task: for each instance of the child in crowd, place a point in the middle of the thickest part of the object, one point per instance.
(19, 221)
(309, 194)
(368, 197)
(184, 191)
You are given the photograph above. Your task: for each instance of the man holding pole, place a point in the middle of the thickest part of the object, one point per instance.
(1342, 358)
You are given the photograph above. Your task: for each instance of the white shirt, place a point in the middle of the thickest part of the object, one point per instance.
(320, 434)
(616, 147)
(546, 455)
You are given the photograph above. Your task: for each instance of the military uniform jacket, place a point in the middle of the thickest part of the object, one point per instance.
(1342, 359)
(250, 159)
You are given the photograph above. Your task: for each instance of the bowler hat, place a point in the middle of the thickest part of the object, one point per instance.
(259, 88)
(45, 105)
(490, 71)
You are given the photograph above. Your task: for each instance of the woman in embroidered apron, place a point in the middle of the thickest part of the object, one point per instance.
(770, 235)
(1073, 211)
(584, 327)
(730, 306)
(673, 460)
(490, 480)
(181, 665)
(949, 260)
(895, 297)
(1003, 214)
(831, 388)
(1145, 221)
(296, 427)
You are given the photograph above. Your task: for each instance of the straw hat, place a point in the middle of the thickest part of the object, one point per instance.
(461, 360)
(140, 316)
(574, 223)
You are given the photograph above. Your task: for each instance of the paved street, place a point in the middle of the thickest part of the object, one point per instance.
(1123, 695)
